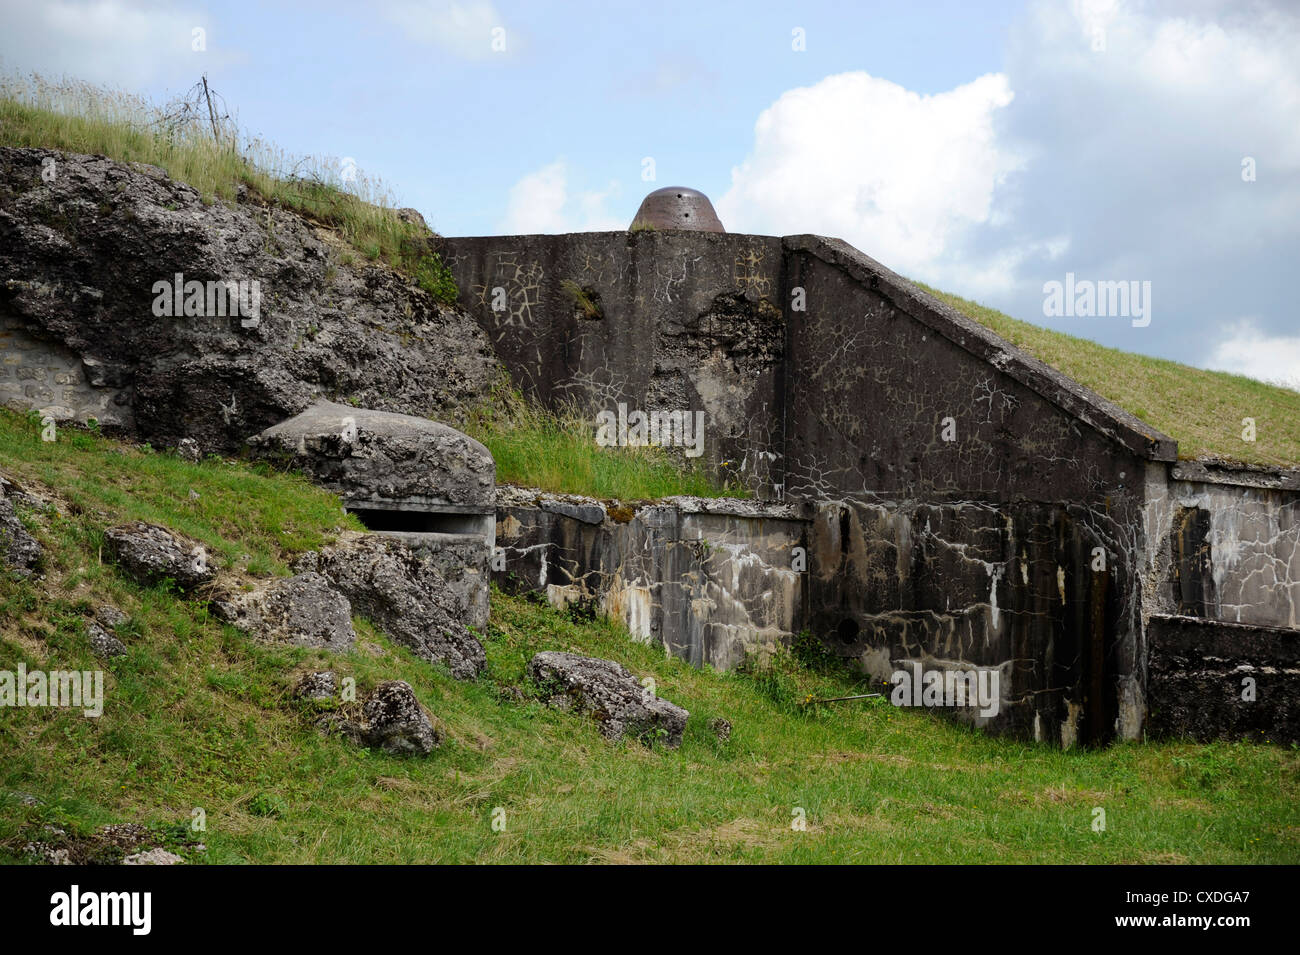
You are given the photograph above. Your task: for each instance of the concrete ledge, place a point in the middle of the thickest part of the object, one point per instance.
(581, 507)
(1240, 475)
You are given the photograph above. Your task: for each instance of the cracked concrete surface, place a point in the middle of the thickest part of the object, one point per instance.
(711, 582)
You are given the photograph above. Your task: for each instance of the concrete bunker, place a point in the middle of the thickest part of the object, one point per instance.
(998, 517)
(1001, 516)
(397, 473)
(405, 477)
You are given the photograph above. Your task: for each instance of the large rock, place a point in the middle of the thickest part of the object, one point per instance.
(110, 617)
(188, 450)
(151, 554)
(464, 565)
(378, 457)
(19, 550)
(608, 692)
(83, 251)
(397, 723)
(102, 643)
(391, 718)
(304, 610)
(318, 685)
(401, 591)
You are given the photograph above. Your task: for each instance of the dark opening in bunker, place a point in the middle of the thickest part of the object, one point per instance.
(848, 630)
(418, 522)
(1193, 570)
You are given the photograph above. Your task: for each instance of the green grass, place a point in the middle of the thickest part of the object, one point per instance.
(199, 715)
(557, 451)
(1201, 410)
(78, 117)
(248, 518)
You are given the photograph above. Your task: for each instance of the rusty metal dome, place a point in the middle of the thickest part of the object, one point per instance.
(677, 207)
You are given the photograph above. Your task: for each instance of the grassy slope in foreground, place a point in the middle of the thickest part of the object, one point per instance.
(1201, 410)
(198, 715)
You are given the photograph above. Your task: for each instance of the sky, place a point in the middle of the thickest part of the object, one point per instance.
(985, 148)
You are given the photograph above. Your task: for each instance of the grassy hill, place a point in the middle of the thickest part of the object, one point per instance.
(1201, 410)
(197, 715)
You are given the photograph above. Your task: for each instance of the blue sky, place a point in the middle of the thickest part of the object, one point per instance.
(986, 148)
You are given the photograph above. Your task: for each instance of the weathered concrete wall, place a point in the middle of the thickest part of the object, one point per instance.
(712, 581)
(668, 321)
(981, 508)
(1032, 590)
(1215, 680)
(1221, 601)
(1224, 543)
(997, 482)
(822, 372)
(878, 372)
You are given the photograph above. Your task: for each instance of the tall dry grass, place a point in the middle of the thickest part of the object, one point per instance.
(215, 156)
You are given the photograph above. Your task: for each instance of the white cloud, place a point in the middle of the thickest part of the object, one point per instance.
(1111, 145)
(988, 273)
(1246, 350)
(896, 173)
(114, 42)
(540, 202)
(465, 29)
(1137, 151)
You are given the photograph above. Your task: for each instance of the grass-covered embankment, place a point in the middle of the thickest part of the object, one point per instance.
(1202, 410)
(198, 715)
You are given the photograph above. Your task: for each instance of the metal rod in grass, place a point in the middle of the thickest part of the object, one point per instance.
(809, 701)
